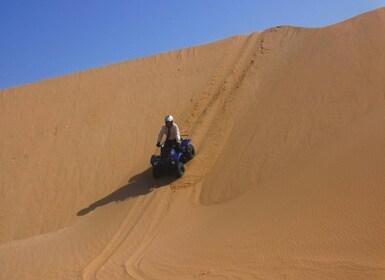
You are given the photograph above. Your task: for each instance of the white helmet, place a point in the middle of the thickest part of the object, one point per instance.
(168, 118)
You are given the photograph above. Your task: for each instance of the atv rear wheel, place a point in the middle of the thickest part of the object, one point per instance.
(179, 169)
(190, 154)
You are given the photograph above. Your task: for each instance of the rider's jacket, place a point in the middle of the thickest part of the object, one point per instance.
(173, 134)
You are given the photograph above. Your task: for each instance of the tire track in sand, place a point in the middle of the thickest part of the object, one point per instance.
(129, 242)
(210, 120)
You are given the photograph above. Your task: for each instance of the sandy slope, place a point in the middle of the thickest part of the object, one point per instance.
(287, 184)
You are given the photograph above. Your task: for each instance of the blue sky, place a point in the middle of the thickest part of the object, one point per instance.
(44, 39)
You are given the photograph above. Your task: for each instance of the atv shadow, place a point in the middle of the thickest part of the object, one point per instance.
(140, 184)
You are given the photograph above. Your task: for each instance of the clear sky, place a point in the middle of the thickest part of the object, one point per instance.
(43, 39)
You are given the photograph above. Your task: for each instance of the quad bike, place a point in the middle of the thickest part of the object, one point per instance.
(172, 159)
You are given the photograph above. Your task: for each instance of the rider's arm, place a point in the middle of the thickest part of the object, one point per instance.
(162, 131)
(177, 134)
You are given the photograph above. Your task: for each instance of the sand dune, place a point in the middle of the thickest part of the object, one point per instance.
(288, 181)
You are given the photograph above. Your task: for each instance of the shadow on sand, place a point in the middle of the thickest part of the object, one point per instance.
(140, 184)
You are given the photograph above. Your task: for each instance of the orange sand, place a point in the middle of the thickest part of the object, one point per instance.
(288, 181)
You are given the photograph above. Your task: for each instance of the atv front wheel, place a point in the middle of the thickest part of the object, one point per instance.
(157, 171)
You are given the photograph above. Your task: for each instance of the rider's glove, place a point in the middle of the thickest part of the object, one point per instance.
(158, 144)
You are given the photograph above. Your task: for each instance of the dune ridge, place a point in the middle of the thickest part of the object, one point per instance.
(287, 182)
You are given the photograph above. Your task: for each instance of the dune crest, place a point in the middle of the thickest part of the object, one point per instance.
(287, 182)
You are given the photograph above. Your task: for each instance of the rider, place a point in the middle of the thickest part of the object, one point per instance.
(171, 130)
